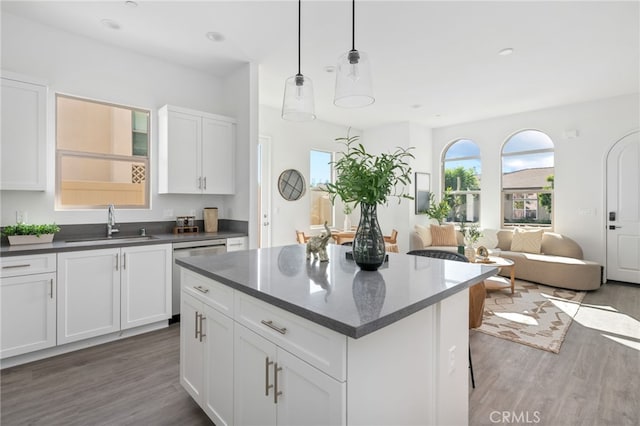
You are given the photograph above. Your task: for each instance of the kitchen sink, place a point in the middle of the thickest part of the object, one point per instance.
(112, 240)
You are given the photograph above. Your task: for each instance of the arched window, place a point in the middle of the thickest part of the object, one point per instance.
(461, 174)
(527, 179)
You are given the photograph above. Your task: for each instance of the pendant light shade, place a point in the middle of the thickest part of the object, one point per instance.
(353, 75)
(297, 104)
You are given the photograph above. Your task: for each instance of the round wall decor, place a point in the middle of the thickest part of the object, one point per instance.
(291, 185)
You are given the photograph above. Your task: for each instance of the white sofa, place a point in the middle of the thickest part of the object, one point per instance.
(560, 261)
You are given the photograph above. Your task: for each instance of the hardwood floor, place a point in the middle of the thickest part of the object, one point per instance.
(593, 381)
(129, 382)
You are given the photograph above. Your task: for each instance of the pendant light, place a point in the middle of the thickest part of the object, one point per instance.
(297, 104)
(353, 76)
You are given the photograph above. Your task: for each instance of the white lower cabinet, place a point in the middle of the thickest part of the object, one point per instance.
(206, 358)
(104, 291)
(145, 285)
(27, 304)
(88, 294)
(274, 387)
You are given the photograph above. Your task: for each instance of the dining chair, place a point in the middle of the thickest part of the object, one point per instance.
(393, 238)
(301, 237)
(477, 294)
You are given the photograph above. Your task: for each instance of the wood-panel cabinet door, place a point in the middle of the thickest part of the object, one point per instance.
(309, 396)
(23, 149)
(88, 294)
(218, 367)
(253, 378)
(191, 347)
(27, 313)
(146, 285)
(218, 156)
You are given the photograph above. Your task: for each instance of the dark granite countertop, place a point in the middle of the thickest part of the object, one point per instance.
(118, 241)
(337, 294)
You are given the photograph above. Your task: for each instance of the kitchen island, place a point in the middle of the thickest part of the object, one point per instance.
(268, 337)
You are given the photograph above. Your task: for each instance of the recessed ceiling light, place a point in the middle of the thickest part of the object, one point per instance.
(110, 23)
(416, 106)
(506, 51)
(131, 3)
(214, 36)
(330, 68)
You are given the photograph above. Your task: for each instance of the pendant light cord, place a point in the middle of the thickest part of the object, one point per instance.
(299, 15)
(353, 25)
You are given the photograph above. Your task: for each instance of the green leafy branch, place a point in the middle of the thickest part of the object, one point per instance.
(371, 179)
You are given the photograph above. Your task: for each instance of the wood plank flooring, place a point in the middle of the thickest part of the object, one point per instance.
(129, 382)
(593, 381)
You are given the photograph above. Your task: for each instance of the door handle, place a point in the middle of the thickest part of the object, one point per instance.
(276, 392)
(267, 386)
(612, 227)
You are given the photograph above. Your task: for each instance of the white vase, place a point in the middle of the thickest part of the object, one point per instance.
(346, 226)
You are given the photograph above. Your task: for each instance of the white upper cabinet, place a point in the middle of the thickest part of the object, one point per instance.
(196, 152)
(23, 150)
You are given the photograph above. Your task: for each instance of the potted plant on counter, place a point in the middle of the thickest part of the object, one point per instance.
(23, 233)
(368, 180)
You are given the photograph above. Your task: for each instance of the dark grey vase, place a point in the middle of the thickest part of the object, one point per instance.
(368, 244)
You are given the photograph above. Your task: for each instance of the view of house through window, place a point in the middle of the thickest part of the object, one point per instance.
(102, 155)
(527, 179)
(462, 170)
(320, 173)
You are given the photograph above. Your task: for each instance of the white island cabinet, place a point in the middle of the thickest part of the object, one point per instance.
(318, 344)
(206, 346)
(28, 304)
(108, 290)
(196, 152)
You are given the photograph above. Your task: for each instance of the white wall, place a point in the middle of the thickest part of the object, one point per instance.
(579, 202)
(290, 146)
(83, 67)
(386, 138)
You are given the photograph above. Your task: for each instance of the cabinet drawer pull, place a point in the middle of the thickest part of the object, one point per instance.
(26, 265)
(196, 324)
(274, 327)
(200, 182)
(51, 287)
(124, 261)
(276, 392)
(117, 262)
(267, 386)
(205, 182)
(201, 289)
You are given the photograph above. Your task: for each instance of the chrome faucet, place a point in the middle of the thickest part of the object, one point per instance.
(111, 222)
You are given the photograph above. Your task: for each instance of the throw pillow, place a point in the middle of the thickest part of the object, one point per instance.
(489, 238)
(424, 233)
(443, 235)
(528, 241)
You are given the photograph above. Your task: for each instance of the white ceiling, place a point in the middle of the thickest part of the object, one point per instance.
(434, 63)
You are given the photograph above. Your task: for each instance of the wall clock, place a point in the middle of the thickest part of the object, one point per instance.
(291, 185)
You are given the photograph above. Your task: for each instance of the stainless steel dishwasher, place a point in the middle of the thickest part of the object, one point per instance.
(187, 249)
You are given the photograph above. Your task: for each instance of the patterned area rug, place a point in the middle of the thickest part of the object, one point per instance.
(535, 315)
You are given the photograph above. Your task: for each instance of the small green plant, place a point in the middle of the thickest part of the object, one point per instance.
(26, 229)
(471, 234)
(439, 211)
(370, 179)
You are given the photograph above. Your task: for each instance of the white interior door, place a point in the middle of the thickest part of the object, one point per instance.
(264, 188)
(623, 210)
